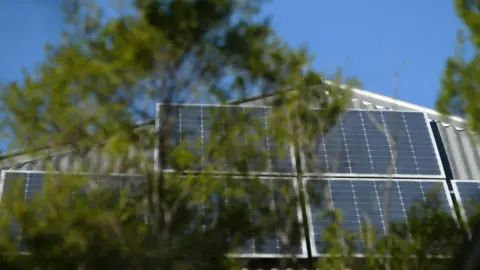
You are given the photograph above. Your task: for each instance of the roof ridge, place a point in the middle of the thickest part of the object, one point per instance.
(405, 104)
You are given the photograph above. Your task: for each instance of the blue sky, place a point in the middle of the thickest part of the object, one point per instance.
(368, 39)
(371, 39)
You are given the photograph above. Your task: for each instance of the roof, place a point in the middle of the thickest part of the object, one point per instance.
(459, 152)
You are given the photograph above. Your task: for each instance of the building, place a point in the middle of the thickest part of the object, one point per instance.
(458, 152)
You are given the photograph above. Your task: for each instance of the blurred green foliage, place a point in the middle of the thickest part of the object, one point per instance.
(88, 97)
(460, 94)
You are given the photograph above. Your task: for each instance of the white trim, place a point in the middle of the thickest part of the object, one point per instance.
(361, 255)
(2, 184)
(303, 240)
(220, 173)
(213, 105)
(268, 107)
(69, 173)
(368, 176)
(450, 201)
(156, 151)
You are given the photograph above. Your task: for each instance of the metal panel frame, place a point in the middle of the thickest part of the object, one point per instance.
(157, 153)
(386, 175)
(361, 255)
(435, 147)
(458, 197)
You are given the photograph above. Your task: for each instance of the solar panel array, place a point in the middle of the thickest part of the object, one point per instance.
(362, 144)
(367, 142)
(193, 125)
(467, 193)
(361, 202)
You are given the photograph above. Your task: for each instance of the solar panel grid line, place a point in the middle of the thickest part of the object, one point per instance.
(402, 204)
(269, 149)
(202, 132)
(423, 194)
(366, 140)
(411, 143)
(404, 188)
(390, 146)
(379, 205)
(346, 145)
(325, 156)
(357, 209)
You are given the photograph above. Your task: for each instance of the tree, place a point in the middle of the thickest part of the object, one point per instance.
(460, 93)
(105, 77)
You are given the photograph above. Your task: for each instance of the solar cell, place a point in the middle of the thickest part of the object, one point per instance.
(202, 127)
(467, 193)
(269, 244)
(362, 200)
(365, 142)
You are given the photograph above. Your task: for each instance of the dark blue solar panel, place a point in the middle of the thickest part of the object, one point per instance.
(363, 200)
(268, 244)
(358, 144)
(468, 194)
(194, 125)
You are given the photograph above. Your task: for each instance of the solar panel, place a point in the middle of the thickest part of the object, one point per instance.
(32, 182)
(269, 244)
(362, 200)
(359, 145)
(467, 193)
(196, 125)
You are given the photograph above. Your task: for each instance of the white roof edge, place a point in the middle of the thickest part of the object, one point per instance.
(404, 104)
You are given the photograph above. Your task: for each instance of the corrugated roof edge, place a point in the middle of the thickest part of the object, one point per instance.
(365, 96)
